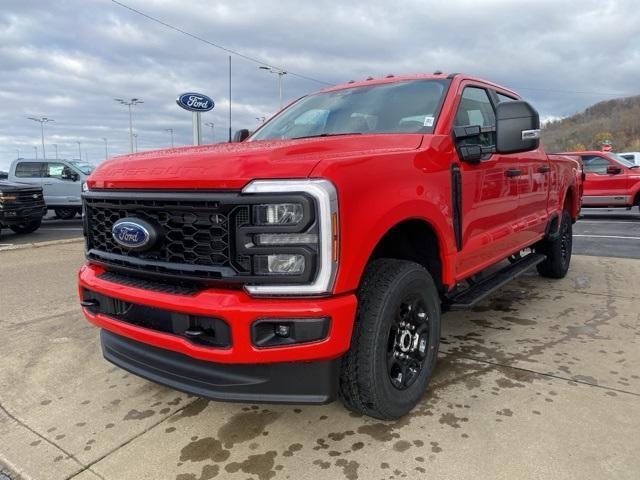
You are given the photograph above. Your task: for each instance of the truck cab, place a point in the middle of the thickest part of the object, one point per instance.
(60, 180)
(313, 260)
(610, 180)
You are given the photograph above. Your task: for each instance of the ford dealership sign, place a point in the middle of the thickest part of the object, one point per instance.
(195, 102)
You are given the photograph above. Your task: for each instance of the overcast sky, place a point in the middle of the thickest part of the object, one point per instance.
(67, 60)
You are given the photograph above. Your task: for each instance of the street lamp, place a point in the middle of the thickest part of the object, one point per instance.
(135, 142)
(42, 121)
(280, 74)
(55, 145)
(129, 103)
(18, 150)
(213, 133)
(79, 151)
(170, 130)
(35, 149)
(106, 148)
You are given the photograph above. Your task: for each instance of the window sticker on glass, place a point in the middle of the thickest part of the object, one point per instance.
(428, 121)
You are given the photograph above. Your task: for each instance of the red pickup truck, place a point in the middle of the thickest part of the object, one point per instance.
(610, 180)
(313, 259)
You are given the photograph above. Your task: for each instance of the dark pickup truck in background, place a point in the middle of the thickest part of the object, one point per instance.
(21, 207)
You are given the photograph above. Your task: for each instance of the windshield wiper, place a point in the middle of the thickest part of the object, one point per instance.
(327, 135)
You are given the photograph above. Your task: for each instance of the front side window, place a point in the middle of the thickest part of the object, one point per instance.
(54, 170)
(624, 161)
(29, 170)
(475, 109)
(595, 164)
(398, 107)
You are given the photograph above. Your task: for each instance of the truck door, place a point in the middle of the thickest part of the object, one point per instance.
(489, 203)
(58, 189)
(533, 190)
(602, 188)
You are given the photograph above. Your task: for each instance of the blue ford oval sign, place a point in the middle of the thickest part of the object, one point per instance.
(195, 102)
(133, 234)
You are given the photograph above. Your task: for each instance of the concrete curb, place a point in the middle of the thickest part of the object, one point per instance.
(42, 244)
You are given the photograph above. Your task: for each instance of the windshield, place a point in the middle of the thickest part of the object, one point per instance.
(622, 160)
(400, 107)
(85, 168)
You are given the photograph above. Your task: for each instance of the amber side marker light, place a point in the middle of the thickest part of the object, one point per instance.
(334, 237)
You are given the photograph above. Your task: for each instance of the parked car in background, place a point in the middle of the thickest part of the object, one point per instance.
(21, 206)
(610, 180)
(61, 182)
(4, 175)
(633, 156)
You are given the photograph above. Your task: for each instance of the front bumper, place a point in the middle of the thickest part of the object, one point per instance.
(16, 216)
(240, 371)
(290, 382)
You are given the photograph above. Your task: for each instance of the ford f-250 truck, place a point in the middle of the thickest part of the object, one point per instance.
(313, 259)
(610, 180)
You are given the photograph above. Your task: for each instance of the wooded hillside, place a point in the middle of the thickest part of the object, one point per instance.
(615, 120)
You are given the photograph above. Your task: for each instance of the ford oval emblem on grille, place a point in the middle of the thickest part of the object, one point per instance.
(134, 234)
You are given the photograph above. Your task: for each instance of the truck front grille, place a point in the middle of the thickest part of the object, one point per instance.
(195, 238)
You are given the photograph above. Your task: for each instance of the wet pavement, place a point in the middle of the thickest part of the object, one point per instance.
(541, 380)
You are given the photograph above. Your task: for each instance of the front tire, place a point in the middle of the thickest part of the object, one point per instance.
(27, 227)
(65, 213)
(395, 340)
(558, 251)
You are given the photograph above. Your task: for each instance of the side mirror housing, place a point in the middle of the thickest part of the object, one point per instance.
(613, 170)
(517, 127)
(241, 135)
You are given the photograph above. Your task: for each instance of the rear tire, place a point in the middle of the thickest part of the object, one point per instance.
(65, 213)
(395, 340)
(27, 227)
(558, 251)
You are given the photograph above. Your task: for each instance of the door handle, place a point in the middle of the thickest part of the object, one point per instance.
(514, 172)
(544, 169)
(45, 183)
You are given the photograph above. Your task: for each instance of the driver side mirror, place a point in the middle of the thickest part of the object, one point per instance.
(69, 175)
(613, 170)
(517, 127)
(241, 135)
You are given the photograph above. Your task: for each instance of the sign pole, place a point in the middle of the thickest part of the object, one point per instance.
(197, 128)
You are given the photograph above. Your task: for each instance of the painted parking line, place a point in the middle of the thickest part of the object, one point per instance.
(608, 236)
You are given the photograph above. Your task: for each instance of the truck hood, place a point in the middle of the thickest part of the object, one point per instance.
(7, 186)
(233, 165)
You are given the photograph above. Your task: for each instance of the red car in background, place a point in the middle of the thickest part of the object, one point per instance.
(610, 180)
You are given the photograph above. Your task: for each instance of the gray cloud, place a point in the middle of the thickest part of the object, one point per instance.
(69, 59)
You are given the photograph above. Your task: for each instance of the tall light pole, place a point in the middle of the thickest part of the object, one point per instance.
(170, 130)
(280, 74)
(18, 150)
(35, 149)
(42, 121)
(79, 151)
(106, 148)
(213, 133)
(135, 142)
(130, 103)
(55, 145)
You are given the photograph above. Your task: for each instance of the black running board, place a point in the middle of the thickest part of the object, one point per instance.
(469, 297)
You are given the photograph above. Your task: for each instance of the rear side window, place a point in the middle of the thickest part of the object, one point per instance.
(504, 98)
(595, 164)
(29, 170)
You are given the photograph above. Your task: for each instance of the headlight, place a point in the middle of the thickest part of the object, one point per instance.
(278, 214)
(293, 237)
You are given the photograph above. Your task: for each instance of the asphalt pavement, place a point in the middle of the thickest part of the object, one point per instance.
(610, 232)
(541, 380)
(51, 229)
